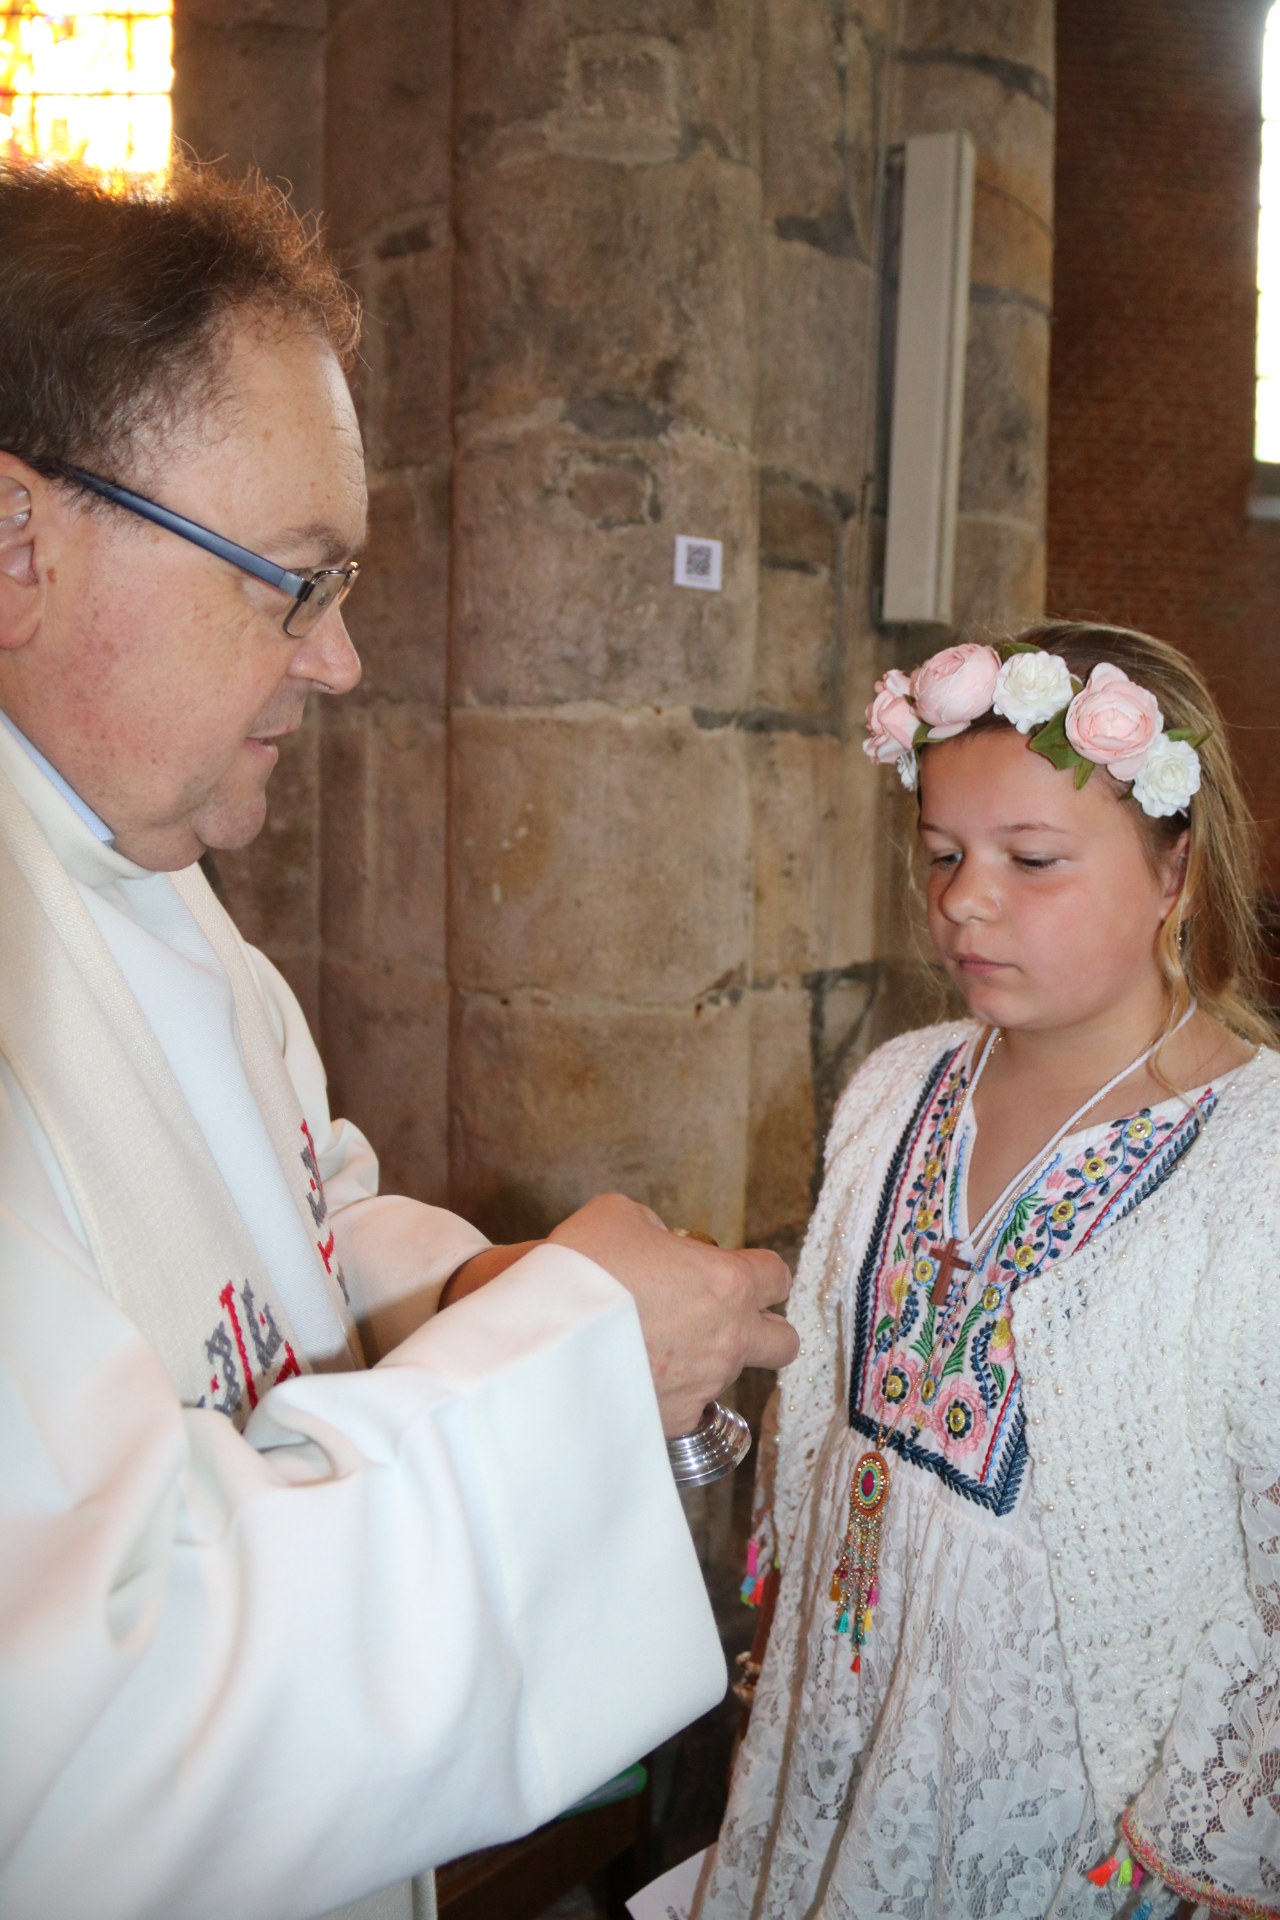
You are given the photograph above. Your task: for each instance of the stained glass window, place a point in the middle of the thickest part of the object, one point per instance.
(86, 82)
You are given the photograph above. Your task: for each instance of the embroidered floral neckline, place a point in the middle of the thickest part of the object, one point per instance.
(957, 1410)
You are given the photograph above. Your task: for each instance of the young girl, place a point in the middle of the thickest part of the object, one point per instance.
(1026, 1654)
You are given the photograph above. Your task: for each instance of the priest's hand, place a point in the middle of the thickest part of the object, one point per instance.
(703, 1310)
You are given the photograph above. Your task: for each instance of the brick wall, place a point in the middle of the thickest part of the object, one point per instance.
(1151, 389)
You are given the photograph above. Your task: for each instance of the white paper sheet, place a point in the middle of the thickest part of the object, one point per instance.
(671, 1896)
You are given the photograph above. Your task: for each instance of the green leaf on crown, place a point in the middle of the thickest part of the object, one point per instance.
(1052, 742)
(1189, 734)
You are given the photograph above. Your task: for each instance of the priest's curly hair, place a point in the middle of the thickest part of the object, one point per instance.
(114, 302)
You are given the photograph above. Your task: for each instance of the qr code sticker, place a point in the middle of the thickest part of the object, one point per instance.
(698, 563)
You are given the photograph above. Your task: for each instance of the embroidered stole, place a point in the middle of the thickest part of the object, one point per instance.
(170, 1245)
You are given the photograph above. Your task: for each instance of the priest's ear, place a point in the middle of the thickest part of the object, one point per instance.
(21, 588)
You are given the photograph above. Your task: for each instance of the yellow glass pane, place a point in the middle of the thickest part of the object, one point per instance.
(88, 82)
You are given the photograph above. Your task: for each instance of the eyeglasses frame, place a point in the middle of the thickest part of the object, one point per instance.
(300, 586)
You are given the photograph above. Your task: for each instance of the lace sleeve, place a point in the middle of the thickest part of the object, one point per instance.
(1208, 1821)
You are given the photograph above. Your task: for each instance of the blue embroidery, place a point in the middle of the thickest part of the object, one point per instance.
(966, 1422)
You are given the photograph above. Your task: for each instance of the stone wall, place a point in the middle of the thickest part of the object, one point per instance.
(590, 885)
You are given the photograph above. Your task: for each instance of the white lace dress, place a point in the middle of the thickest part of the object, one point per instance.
(946, 1778)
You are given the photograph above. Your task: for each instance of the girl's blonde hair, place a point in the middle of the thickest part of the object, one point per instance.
(1209, 948)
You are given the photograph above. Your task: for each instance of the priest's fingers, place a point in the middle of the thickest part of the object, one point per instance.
(773, 1343)
(700, 1307)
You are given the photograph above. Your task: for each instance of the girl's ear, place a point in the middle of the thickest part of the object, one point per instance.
(1173, 867)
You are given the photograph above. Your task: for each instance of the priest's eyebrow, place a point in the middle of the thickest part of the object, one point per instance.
(321, 536)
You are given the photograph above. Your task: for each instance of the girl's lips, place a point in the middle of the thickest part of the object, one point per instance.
(978, 963)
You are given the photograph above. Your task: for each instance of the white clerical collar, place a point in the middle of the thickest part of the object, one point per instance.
(98, 827)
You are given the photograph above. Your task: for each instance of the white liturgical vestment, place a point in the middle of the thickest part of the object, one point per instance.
(266, 1664)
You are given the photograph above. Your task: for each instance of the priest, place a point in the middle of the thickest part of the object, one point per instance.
(333, 1542)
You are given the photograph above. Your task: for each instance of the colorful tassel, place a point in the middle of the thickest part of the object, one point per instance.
(1102, 1873)
(1143, 1911)
(1125, 1876)
(759, 1559)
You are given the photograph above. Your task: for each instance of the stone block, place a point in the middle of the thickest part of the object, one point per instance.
(406, 912)
(816, 854)
(551, 1105)
(799, 526)
(872, 17)
(399, 612)
(271, 886)
(309, 16)
(799, 645)
(625, 296)
(1013, 132)
(623, 99)
(603, 77)
(782, 1148)
(407, 344)
(1000, 576)
(1012, 248)
(819, 81)
(1016, 34)
(386, 1046)
(563, 556)
(346, 817)
(844, 1006)
(384, 815)
(802, 117)
(1006, 405)
(864, 55)
(228, 85)
(816, 312)
(389, 116)
(602, 854)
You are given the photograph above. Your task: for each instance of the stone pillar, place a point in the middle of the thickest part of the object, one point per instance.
(248, 87)
(387, 195)
(607, 202)
(816, 853)
(989, 69)
(248, 92)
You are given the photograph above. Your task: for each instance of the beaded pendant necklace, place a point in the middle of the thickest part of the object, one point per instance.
(855, 1588)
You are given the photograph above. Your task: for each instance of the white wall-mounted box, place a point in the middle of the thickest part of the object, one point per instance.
(928, 379)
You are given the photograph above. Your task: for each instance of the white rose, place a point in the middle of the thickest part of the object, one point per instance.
(1031, 688)
(1167, 778)
(908, 770)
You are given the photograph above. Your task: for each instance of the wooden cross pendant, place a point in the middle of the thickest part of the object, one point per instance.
(948, 1263)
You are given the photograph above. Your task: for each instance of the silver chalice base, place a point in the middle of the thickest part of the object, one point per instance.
(720, 1442)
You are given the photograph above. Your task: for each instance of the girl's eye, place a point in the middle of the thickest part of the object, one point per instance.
(943, 859)
(1035, 862)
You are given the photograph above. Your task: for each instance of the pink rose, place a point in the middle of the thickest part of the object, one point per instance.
(891, 723)
(1114, 721)
(954, 687)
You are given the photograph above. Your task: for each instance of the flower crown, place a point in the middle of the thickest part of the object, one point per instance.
(1110, 721)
